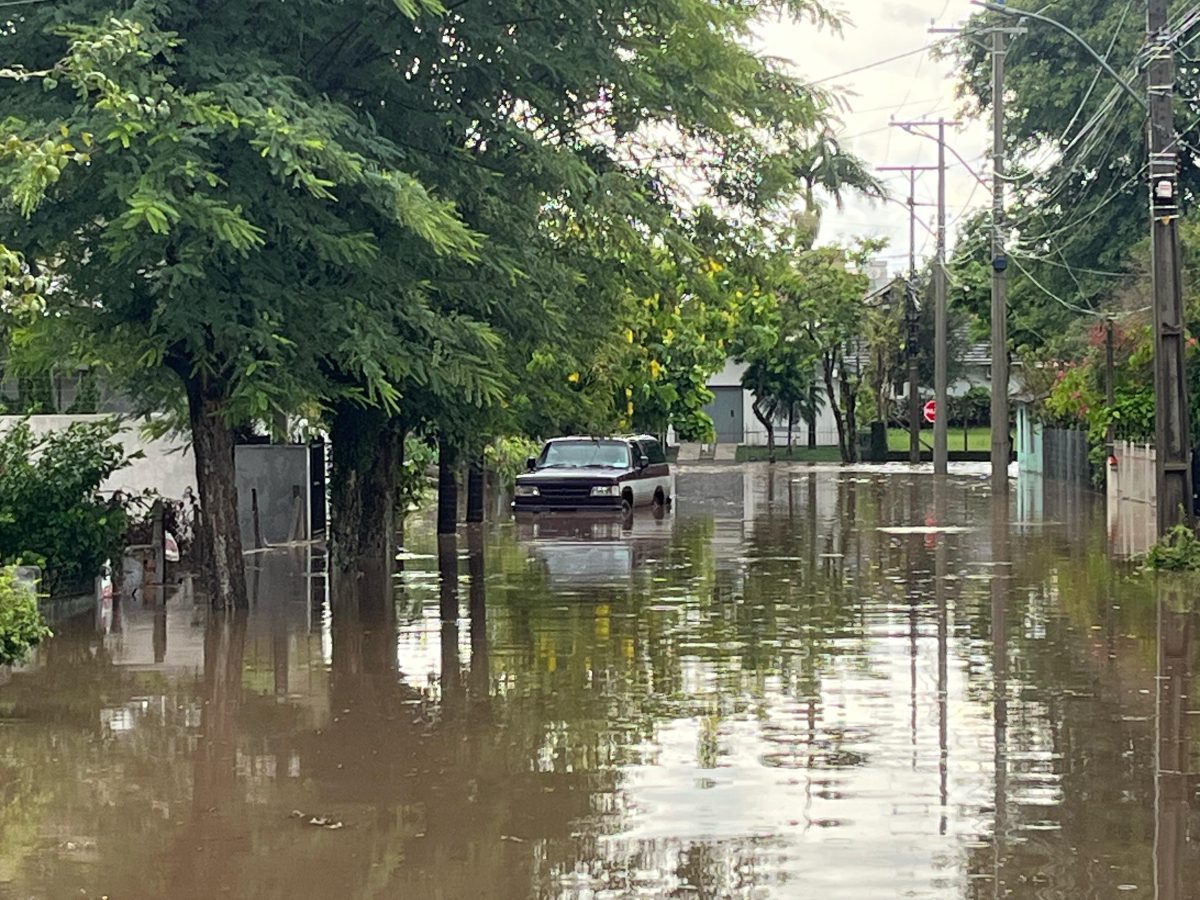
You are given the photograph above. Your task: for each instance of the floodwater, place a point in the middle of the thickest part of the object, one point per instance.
(800, 683)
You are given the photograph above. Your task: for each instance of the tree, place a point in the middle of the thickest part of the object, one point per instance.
(827, 288)
(823, 164)
(221, 237)
(780, 360)
(1077, 140)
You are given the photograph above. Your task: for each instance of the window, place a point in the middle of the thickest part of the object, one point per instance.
(585, 454)
(654, 452)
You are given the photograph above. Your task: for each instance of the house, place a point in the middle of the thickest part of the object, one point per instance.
(732, 406)
(732, 412)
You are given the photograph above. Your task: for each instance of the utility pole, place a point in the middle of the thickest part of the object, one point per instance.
(1109, 388)
(941, 449)
(1001, 453)
(1172, 432)
(940, 343)
(910, 319)
(910, 312)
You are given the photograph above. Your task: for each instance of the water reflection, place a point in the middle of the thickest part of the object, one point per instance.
(802, 684)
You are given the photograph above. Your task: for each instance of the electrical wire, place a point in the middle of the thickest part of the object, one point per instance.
(863, 68)
(1053, 296)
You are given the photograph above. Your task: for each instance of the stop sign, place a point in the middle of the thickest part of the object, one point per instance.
(931, 411)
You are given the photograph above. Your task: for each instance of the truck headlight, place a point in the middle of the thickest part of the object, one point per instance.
(606, 490)
(527, 490)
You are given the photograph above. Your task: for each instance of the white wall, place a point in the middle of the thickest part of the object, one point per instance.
(167, 467)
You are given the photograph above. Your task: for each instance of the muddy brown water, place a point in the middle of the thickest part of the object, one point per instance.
(794, 685)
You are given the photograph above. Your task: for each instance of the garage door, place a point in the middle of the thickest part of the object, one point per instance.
(727, 412)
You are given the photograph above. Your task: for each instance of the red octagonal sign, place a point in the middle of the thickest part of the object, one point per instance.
(931, 411)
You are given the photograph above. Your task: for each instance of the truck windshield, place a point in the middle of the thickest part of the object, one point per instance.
(585, 454)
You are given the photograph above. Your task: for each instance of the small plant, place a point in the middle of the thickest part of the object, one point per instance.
(51, 511)
(412, 483)
(21, 625)
(1177, 551)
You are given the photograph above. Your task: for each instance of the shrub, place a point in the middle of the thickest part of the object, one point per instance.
(21, 626)
(507, 456)
(51, 514)
(1177, 551)
(419, 455)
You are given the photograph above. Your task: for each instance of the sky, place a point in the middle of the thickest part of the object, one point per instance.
(916, 87)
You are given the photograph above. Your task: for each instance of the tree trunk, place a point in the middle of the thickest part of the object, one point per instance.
(791, 427)
(827, 364)
(447, 509)
(849, 405)
(812, 416)
(767, 419)
(366, 460)
(476, 483)
(216, 482)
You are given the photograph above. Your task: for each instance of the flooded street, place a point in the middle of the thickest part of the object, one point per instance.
(799, 683)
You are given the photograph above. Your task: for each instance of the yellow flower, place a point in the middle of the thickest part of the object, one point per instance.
(628, 393)
(655, 369)
(668, 336)
(629, 409)
(573, 378)
(714, 267)
(629, 335)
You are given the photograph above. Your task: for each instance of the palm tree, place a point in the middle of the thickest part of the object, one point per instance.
(824, 164)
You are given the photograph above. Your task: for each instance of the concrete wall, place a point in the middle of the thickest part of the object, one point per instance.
(167, 466)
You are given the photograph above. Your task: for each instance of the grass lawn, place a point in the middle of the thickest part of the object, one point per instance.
(799, 454)
(978, 439)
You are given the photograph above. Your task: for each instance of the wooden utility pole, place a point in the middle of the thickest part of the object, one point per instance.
(910, 312)
(1001, 452)
(910, 320)
(941, 433)
(1109, 388)
(1172, 432)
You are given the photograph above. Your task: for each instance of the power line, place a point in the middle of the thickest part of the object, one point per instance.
(1049, 293)
(848, 72)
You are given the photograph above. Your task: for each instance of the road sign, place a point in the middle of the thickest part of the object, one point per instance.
(931, 412)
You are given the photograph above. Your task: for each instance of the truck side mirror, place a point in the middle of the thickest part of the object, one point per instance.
(531, 463)
(643, 461)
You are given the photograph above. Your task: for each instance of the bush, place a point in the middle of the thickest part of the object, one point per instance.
(1177, 551)
(413, 481)
(51, 514)
(507, 456)
(21, 626)
(973, 409)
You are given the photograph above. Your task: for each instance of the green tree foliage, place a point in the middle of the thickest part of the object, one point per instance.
(827, 288)
(50, 512)
(392, 215)
(1078, 142)
(228, 229)
(21, 627)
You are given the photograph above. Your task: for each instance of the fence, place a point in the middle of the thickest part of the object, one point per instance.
(1132, 499)
(1065, 456)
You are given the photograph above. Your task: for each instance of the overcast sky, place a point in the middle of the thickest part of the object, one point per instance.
(916, 87)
